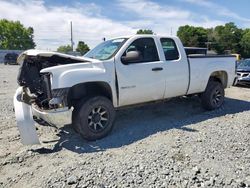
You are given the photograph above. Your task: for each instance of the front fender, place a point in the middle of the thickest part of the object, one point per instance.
(70, 75)
(66, 76)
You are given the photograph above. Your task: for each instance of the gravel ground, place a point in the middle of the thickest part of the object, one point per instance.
(171, 144)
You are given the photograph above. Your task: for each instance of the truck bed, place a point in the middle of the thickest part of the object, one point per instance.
(211, 63)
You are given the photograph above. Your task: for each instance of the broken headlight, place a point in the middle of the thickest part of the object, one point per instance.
(59, 98)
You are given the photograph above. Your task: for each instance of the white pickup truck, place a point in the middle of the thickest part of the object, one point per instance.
(86, 91)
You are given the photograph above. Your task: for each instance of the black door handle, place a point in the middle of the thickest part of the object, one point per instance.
(157, 69)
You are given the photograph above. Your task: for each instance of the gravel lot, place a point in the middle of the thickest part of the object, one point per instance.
(171, 144)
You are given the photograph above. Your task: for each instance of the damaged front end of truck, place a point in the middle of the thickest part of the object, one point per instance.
(35, 99)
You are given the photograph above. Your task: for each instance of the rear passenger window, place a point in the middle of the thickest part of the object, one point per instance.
(170, 49)
(146, 47)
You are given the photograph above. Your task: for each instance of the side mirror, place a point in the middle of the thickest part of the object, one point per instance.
(131, 57)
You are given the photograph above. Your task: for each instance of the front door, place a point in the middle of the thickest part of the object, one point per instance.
(143, 80)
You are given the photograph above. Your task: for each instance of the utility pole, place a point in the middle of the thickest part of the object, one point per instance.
(71, 36)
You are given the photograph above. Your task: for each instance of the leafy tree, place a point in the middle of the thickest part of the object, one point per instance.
(245, 43)
(144, 31)
(223, 38)
(193, 36)
(82, 47)
(64, 49)
(227, 38)
(14, 36)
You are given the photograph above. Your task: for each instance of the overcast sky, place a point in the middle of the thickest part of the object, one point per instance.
(93, 20)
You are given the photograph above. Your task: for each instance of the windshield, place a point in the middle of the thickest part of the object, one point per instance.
(244, 63)
(106, 49)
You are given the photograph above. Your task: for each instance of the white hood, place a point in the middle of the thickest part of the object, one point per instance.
(44, 53)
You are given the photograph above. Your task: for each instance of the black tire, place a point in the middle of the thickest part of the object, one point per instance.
(74, 118)
(77, 107)
(213, 97)
(94, 117)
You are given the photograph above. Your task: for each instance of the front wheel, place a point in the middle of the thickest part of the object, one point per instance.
(213, 97)
(94, 117)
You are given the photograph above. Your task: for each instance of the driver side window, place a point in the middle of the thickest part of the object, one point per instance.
(146, 48)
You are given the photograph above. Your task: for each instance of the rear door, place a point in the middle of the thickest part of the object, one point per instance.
(144, 80)
(176, 70)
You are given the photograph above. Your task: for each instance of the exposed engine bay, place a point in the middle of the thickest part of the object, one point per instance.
(36, 85)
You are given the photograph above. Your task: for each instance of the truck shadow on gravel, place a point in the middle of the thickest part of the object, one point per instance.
(135, 124)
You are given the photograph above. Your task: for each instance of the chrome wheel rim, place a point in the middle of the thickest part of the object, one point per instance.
(217, 97)
(98, 119)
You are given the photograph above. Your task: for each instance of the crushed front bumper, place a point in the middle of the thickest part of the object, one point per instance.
(25, 113)
(57, 117)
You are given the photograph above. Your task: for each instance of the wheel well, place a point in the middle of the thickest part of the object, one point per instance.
(220, 76)
(82, 90)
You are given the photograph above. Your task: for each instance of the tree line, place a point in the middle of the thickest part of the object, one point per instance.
(222, 39)
(82, 48)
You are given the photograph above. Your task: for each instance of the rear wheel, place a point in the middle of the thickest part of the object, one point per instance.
(93, 118)
(213, 97)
